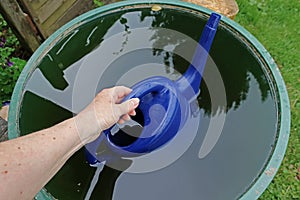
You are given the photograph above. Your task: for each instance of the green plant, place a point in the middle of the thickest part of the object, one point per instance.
(9, 77)
(98, 3)
(10, 65)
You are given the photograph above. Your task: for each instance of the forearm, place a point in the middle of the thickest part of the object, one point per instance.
(28, 163)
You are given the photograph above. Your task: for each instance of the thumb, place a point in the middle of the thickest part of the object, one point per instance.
(128, 106)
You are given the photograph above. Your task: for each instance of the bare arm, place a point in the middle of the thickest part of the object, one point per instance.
(27, 163)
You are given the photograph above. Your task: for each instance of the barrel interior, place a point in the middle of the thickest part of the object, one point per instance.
(250, 129)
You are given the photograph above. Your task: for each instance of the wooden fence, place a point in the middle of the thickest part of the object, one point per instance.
(34, 20)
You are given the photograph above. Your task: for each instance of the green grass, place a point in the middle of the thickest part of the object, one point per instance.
(276, 24)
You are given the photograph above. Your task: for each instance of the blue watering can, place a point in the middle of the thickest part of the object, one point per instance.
(162, 112)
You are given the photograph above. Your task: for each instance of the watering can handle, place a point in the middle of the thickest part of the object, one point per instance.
(145, 87)
(189, 83)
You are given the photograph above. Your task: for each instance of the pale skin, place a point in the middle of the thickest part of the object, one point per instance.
(27, 163)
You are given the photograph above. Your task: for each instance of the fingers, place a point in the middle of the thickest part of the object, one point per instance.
(121, 121)
(132, 113)
(120, 111)
(128, 106)
(124, 118)
(119, 92)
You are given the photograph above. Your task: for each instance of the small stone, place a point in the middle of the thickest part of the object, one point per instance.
(156, 8)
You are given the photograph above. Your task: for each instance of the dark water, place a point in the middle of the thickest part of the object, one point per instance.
(95, 51)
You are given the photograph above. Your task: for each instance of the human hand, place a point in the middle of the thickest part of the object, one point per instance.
(104, 111)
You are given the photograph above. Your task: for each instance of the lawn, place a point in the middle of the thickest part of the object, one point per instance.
(275, 23)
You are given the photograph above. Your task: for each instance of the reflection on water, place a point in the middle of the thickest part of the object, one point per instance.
(85, 61)
(233, 69)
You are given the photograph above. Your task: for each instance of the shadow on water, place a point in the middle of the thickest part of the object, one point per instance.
(107, 179)
(244, 79)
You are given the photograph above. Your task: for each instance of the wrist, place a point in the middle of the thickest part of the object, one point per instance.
(87, 127)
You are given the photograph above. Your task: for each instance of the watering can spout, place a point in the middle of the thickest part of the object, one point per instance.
(189, 83)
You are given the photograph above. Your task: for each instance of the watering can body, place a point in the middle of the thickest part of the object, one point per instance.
(164, 107)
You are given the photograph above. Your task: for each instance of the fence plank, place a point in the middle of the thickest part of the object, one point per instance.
(49, 8)
(20, 23)
(35, 4)
(78, 8)
(51, 24)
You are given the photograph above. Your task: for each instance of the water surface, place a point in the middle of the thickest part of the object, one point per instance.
(250, 127)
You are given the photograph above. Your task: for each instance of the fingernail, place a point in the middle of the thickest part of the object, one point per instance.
(135, 101)
(133, 113)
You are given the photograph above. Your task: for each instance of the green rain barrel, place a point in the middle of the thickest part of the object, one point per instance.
(234, 140)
